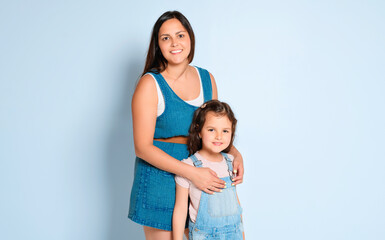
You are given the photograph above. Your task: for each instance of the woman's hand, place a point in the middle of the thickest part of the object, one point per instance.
(207, 180)
(238, 169)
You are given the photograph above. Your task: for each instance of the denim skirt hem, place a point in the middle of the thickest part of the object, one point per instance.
(153, 191)
(147, 223)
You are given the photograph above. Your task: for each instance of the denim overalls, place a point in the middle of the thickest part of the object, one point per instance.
(153, 191)
(219, 214)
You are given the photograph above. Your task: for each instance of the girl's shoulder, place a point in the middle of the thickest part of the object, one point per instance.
(230, 156)
(188, 161)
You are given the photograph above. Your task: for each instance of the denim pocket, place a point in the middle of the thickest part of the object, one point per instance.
(223, 204)
(158, 189)
(199, 236)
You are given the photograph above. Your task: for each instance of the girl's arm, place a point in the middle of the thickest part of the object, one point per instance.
(180, 212)
(238, 160)
(144, 111)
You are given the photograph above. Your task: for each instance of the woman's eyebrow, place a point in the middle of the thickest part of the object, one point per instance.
(179, 32)
(166, 34)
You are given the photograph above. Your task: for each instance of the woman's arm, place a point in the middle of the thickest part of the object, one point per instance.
(214, 87)
(144, 114)
(180, 212)
(238, 160)
(237, 166)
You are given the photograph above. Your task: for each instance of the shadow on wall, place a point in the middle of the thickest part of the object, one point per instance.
(120, 159)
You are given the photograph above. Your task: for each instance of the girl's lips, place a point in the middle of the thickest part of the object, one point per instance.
(176, 51)
(217, 143)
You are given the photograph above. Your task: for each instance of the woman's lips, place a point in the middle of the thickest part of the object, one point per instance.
(176, 51)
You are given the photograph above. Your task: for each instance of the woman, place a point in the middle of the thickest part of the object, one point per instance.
(162, 109)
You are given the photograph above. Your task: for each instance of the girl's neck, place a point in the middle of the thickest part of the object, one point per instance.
(210, 156)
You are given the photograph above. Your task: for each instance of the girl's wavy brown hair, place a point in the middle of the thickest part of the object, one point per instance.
(194, 142)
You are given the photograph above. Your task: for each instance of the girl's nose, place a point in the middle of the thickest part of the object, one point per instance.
(218, 136)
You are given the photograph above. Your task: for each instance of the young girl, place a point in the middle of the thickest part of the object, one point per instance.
(214, 215)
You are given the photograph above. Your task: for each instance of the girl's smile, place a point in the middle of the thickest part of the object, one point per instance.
(215, 134)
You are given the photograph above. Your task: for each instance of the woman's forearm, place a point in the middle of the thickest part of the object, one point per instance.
(237, 166)
(200, 177)
(234, 151)
(160, 159)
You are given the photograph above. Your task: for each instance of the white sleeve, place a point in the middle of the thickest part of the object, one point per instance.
(182, 181)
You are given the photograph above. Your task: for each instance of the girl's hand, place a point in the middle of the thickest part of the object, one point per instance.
(207, 180)
(238, 169)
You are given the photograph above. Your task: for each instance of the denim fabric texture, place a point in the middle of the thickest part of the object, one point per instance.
(177, 115)
(153, 191)
(219, 215)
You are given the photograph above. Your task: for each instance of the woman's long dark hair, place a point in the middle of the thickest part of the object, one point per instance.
(155, 62)
(194, 142)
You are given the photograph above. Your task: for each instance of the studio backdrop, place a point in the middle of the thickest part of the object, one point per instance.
(304, 78)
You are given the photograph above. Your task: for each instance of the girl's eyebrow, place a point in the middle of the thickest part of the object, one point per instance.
(166, 34)
(214, 127)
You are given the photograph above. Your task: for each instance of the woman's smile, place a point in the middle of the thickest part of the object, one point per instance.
(176, 51)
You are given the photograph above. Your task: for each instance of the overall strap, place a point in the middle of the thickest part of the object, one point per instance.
(206, 84)
(228, 161)
(196, 161)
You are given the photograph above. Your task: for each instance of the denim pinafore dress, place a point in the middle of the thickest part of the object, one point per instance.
(219, 214)
(153, 191)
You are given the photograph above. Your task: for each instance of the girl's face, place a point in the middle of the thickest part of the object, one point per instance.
(215, 133)
(174, 42)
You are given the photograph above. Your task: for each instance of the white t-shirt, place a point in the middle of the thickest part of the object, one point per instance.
(195, 194)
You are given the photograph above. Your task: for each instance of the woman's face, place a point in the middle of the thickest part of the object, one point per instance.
(174, 42)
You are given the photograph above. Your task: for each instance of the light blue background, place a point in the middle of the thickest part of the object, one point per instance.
(305, 79)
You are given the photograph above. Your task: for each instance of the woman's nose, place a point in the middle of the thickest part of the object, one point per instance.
(174, 42)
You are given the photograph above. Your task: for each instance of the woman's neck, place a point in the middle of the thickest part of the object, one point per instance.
(176, 72)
